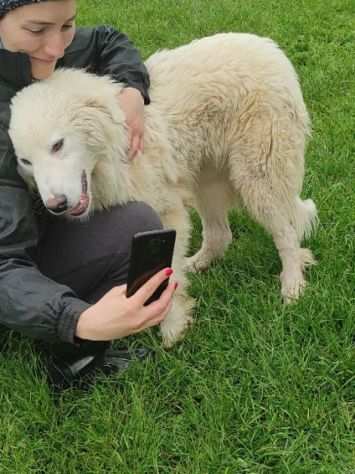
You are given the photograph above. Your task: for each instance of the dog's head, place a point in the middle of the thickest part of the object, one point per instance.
(62, 130)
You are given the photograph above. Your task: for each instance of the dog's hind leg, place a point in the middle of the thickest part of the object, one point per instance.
(214, 198)
(275, 217)
(267, 172)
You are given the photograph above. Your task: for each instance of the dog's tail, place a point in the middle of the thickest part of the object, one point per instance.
(305, 218)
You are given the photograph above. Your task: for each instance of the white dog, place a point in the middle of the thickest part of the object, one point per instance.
(226, 127)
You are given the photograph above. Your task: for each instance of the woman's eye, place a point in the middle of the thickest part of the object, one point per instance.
(42, 30)
(36, 32)
(58, 145)
(25, 162)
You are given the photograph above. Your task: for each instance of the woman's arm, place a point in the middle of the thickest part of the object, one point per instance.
(104, 50)
(29, 302)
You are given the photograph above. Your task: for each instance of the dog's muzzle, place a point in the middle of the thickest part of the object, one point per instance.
(58, 205)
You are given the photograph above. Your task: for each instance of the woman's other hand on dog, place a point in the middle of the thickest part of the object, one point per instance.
(115, 316)
(132, 104)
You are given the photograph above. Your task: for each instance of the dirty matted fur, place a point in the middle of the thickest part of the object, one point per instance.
(226, 127)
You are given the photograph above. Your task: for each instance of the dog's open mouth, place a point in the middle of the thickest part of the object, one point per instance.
(84, 201)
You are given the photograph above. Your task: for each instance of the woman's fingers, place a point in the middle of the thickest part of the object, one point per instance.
(156, 312)
(146, 290)
(160, 305)
(136, 143)
(158, 319)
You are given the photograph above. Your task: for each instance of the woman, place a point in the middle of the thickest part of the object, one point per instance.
(62, 282)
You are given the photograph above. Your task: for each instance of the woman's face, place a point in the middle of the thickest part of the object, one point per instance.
(42, 30)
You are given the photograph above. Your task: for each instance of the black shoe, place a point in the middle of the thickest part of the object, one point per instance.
(81, 373)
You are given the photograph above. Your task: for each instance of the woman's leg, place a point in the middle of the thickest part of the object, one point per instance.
(91, 257)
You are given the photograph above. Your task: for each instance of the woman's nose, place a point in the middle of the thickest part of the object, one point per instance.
(55, 46)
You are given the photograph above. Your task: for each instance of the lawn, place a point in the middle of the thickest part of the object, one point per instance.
(256, 387)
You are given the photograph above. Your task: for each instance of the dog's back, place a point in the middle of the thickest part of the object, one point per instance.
(206, 90)
(225, 68)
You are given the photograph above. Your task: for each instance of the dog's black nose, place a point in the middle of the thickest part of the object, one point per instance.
(57, 204)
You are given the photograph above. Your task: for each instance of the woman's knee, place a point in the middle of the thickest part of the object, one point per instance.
(142, 217)
(135, 217)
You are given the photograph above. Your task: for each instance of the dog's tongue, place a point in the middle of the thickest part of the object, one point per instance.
(84, 183)
(83, 203)
(81, 207)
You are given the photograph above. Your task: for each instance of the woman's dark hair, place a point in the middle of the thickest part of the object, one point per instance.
(8, 5)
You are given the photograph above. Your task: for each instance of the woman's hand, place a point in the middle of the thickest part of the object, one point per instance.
(132, 104)
(115, 316)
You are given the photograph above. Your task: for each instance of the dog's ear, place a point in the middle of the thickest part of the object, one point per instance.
(101, 122)
(97, 106)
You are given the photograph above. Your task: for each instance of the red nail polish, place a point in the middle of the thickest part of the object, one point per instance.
(168, 271)
(176, 285)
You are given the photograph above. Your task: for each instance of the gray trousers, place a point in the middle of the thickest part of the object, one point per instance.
(92, 257)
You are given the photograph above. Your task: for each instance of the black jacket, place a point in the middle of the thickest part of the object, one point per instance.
(30, 302)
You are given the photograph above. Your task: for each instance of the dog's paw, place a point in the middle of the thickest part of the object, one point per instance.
(173, 330)
(292, 286)
(197, 263)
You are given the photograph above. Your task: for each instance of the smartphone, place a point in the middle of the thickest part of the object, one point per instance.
(150, 252)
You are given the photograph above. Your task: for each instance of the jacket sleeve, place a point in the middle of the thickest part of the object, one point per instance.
(117, 57)
(29, 302)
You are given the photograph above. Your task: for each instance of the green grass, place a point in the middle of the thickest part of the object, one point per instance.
(255, 387)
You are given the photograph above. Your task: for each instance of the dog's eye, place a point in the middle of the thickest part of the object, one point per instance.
(25, 162)
(58, 145)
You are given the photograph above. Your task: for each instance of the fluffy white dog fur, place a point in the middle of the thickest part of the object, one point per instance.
(226, 127)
